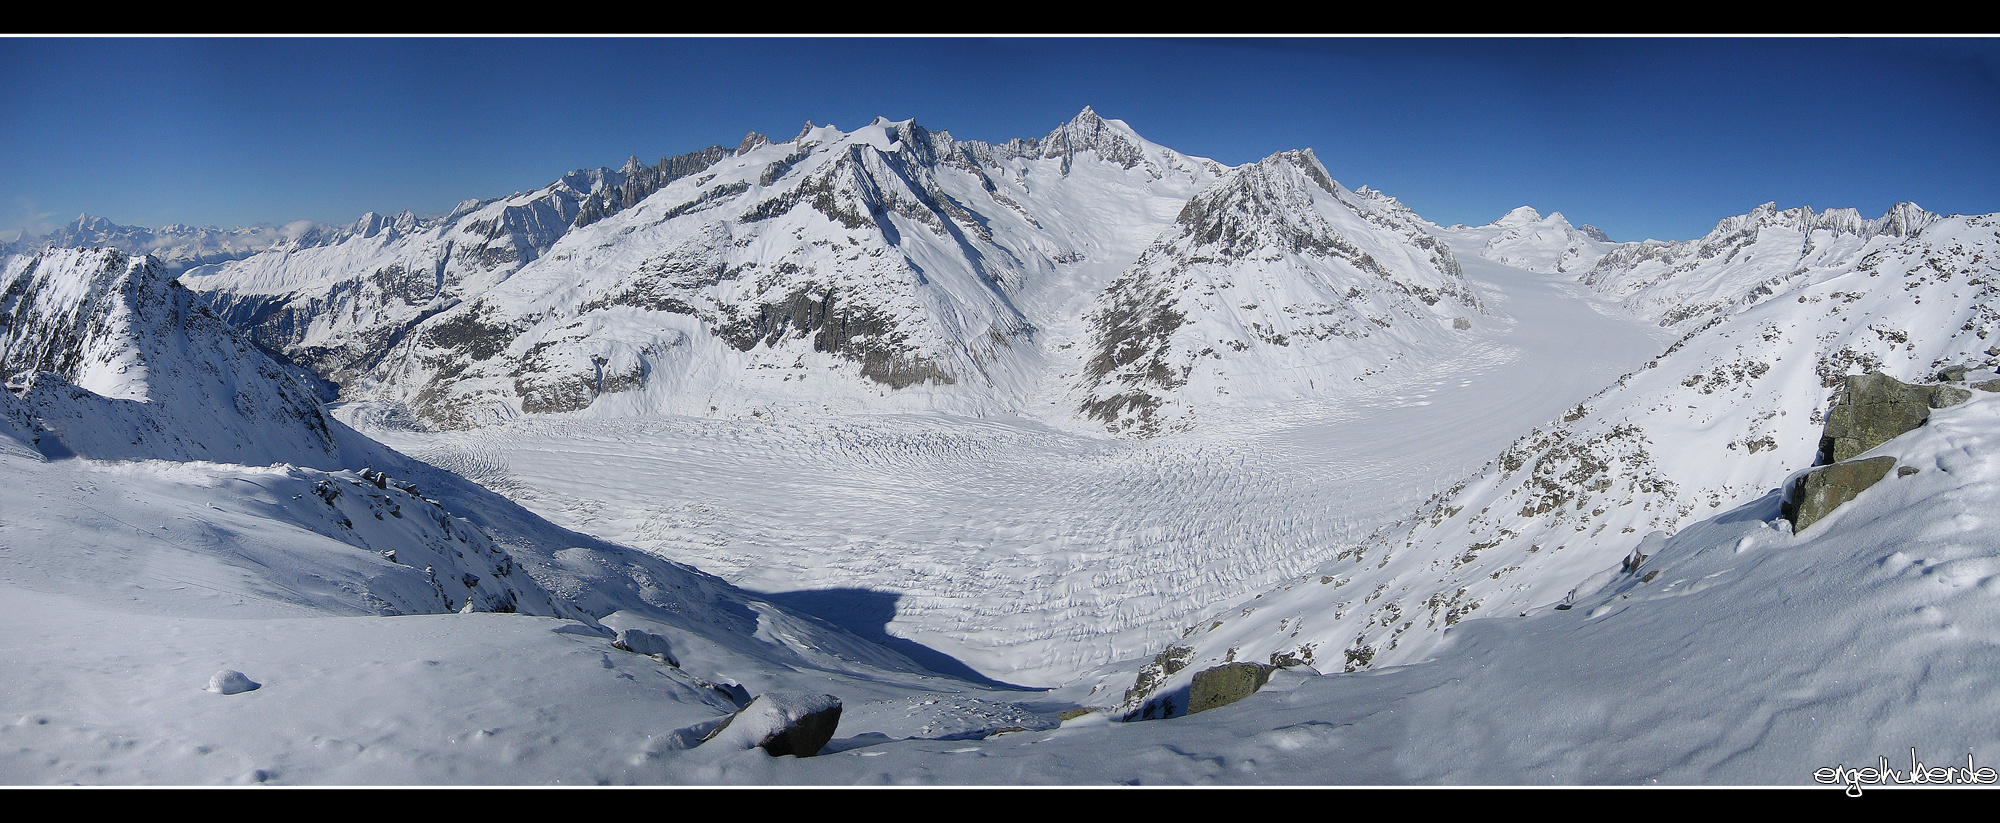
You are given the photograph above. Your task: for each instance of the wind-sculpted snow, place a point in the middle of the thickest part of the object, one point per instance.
(1720, 418)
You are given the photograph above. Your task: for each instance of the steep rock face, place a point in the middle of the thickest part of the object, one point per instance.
(1745, 259)
(1274, 281)
(1720, 419)
(117, 361)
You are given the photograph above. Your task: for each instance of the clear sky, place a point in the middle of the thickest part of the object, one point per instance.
(1641, 137)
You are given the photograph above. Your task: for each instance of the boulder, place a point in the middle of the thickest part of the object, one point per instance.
(1226, 684)
(230, 681)
(781, 723)
(1945, 397)
(1875, 408)
(647, 643)
(1818, 492)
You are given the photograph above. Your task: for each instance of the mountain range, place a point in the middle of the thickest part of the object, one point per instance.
(1023, 430)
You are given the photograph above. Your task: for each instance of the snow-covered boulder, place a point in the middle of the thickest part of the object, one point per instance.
(647, 643)
(781, 723)
(231, 681)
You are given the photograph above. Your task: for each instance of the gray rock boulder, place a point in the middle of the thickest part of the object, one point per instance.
(1818, 492)
(1875, 408)
(1226, 684)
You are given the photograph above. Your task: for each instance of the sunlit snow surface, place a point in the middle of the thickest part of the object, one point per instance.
(1754, 657)
(1033, 555)
(1004, 550)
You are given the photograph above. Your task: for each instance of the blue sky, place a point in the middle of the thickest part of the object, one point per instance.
(1641, 137)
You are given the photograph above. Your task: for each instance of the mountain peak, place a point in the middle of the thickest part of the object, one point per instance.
(1111, 139)
(90, 222)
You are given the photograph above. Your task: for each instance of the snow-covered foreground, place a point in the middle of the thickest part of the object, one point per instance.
(1755, 656)
(1030, 554)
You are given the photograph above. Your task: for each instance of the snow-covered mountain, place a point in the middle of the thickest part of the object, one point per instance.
(890, 268)
(1524, 239)
(871, 373)
(175, 247)
(164, 462)
(1744, 260)
(1272, 281)
(120, 362)
(1719, 419)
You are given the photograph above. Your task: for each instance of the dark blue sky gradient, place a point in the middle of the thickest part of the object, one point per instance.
(1641, 137)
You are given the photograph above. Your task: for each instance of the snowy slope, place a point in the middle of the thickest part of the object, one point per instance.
(1754, 657)
(120, 362)
(1745, 259)
(1717, 420)
(1273, 282)
(142, 504)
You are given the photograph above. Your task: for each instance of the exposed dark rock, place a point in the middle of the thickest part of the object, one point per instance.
(1874, 409)
(1226, 684)
(1820, 491)
(1990, 385)
(467, 332)
(641, 181)
(853, 330)
(1153, 674)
